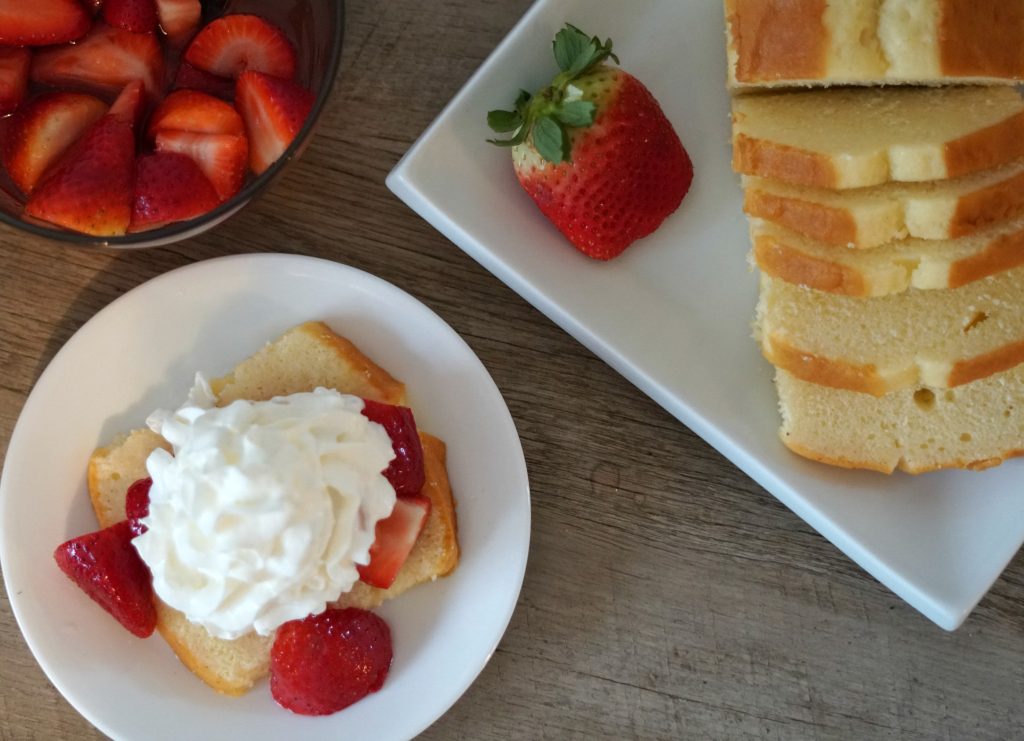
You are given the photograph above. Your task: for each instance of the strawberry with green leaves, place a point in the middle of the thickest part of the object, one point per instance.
(594, 150)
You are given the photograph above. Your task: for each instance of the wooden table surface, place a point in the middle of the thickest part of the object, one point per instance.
(667, 595)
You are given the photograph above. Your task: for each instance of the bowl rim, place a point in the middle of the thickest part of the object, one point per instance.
(183, 229)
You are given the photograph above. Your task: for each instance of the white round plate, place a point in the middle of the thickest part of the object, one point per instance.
(140, 353)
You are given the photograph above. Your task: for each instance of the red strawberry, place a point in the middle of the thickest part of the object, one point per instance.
(90, 188)
(189, 110)
(42, 130)
(14, 65)
(405, 472)
(41, 22)
(595, 151)
(107, 59)
(222, 157)
(326, 662)
(191, 78)
(274, 111)
(107, 567)
(169, 187)
(395, 537)
(138, 16)
(94, 6)
(130, 103)
(233, 44)
(136, 505)
(178, 18)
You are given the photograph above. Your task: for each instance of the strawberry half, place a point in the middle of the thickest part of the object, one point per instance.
(223, 158)
(42, 130)
(106, 59)
(178, 18)
(90, 188)
(595, 151)
(326, 662)
(14, 64)
(274, 111)
(189, 110)
(191, 78)
(405, 472)
(107, 567)
(41, 22)
(136, 505)
(233, 44)
(138, 16)
(169, 187)
(395, 537)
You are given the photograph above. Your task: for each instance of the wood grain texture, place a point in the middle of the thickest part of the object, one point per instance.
(667, 596)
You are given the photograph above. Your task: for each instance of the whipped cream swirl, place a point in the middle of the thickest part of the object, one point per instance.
(265, 508)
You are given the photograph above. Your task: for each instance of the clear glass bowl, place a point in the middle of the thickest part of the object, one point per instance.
(316, 27)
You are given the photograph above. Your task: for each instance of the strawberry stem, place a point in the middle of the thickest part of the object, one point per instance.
(546, 117)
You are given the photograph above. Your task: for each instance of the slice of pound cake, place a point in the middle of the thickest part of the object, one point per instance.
(941, 339)
(869, 217)
(920, 429)
(856, 137)
(873, 42)
(892, 268)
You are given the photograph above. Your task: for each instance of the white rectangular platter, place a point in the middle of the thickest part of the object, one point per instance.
(673, 313)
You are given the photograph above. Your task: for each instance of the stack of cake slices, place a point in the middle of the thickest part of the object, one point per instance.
(881, 150)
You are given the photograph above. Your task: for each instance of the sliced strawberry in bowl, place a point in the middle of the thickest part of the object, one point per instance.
(395, 537)
(233, 44)
(223, 158)
(42, 130)
(326, 662)
(106, 566)
(106, 60)
(178, 18)
(130, 104)
(190, 110)
(138, 16)
(41, 22)
(14, 65)
(274, 111)
(191, 78)
(90, 188)
(169, 187)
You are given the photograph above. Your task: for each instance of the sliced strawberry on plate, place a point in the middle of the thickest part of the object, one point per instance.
(90, 188)
(326, 662)
(395, 537)
(138, 16)
(41, 22)
(233, 44)
(107, 567)
(223, 158)
(178, 18)
(107, 59)
(274, 111)
(136, 505)
(405, 472)
(42, 130)
(14, 64)
(130, 104)
(190, 110)
(169, 187)
(192, 78)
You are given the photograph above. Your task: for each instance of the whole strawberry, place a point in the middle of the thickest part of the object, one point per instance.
(326, 662)
(594, 150)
